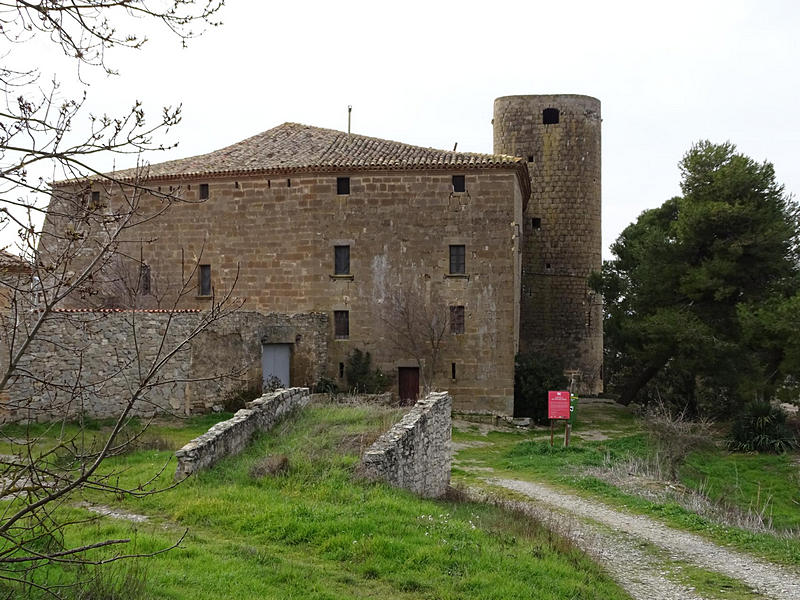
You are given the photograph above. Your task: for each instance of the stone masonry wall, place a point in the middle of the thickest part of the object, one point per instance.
(232, 436)
(273, 237)
(559, 313)
(415, 453)
(87, 362)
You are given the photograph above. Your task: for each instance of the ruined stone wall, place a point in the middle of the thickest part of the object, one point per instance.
(88, 362)
(415, 453)
(562, 237)
(232, 436)
(274, 237)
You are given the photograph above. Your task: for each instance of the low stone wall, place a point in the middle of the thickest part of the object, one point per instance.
(86, 362)
(232, 436)
(415, 453)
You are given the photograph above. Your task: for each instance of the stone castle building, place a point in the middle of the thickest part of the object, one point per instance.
(489, 254)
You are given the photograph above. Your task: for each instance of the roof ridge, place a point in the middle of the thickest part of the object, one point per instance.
(293, 147)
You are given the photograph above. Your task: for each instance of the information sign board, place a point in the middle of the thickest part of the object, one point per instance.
(558, 405)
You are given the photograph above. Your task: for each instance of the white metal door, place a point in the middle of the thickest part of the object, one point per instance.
(275, 362)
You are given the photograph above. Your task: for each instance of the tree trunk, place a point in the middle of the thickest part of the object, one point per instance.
(635, 385)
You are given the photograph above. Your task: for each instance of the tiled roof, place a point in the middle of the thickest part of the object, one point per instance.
(295, 147)
(13, 262)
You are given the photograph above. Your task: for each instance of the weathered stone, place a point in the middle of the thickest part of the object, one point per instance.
(415, 453)
(232, 436)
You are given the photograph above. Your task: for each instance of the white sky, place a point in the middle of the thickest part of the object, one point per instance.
(426, 73)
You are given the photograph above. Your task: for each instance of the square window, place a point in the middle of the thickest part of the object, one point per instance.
(341, 260)
(144, 279)
(342, 186)
(458, 260)
(550, 116)
(459, 183)
(341, 324)
(203, 191)
(204, 284)
(456, 319)
(536, 223)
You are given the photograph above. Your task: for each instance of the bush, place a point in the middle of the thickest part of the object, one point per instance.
(361, 378)
(237, 398)
(325, 385)
(272, 465)
(761, 427)
(534, 376)
(675, 436)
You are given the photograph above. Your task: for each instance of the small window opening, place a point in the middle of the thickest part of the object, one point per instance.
(341, 370)
(205, 280)
(269, 183)
(95, 199)
(458, 260)
(288, 183)
(530, 157)
(452, 370)
(459, 183)
(203, 191)
(144, 279)
(547, 266)
(342, 186)
(236, 185)
(550, 116)
(536, 223)
(189, 187)
(341, 260)
(159, 188)
(341, 324)
(456, 319)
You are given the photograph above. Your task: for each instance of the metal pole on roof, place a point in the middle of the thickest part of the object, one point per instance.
(349, 111)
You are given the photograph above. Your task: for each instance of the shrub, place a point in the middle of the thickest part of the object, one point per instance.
(761, 427)
(236, 399)
(272, 465)
(271, 384)
(675, 436)
(361, 378)
(325, 385)
(534, 376)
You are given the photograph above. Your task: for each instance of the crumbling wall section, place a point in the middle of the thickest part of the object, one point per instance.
(232, 436)
(90, 362)
(415, 453)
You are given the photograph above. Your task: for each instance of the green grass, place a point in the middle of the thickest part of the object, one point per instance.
(319, 532)
(709, 584)
(743, 481)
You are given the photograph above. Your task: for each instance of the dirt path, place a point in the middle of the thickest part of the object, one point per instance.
(641, 553)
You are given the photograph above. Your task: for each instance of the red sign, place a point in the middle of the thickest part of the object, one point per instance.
(558, 405)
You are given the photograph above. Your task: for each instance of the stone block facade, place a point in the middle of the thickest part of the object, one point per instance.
(559, 315)
(415, 453)
(230, 437)
(273, 240)
(87, 362)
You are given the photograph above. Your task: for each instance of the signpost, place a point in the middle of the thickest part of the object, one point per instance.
(560, 406)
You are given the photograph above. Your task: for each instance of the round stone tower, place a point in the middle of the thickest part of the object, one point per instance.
(559, 136)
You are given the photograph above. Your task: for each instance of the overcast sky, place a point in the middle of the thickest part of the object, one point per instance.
(426, 73)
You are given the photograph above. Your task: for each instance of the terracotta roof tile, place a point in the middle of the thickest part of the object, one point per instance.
(296, 147)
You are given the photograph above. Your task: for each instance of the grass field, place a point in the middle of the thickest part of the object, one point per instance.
(764, 483)
(316, 531)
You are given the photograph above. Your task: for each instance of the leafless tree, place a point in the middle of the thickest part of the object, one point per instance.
(81, 255)
(417, 326)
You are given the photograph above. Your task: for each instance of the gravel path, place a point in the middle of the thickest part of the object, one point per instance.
(620, 541)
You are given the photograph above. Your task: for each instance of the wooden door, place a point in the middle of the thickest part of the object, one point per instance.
(408, 379)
